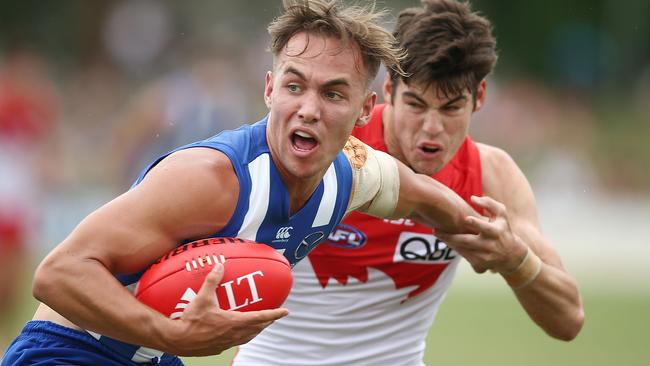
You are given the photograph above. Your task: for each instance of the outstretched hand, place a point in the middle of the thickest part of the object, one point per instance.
(496, 247)
(204, 329)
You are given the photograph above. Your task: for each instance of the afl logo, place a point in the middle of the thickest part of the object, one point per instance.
(347, 237)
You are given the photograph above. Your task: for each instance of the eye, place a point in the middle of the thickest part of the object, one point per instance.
(452, 109)
(332, 95)
(293, 88)
(415, 105)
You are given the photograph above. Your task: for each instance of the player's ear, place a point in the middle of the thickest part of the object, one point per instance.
(479, 98)
(268, 89)
(366, 110)
(387, 89)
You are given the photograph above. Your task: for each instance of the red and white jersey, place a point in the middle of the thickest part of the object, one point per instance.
(369, 294)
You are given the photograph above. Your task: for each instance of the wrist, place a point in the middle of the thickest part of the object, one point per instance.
(527, 271)
(169, 334)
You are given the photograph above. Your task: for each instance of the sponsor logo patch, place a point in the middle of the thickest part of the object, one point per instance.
(307, 244)
(422, 248)
(283, 234)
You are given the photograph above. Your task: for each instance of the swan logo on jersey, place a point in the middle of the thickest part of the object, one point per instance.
(347, 237)
(422, 248)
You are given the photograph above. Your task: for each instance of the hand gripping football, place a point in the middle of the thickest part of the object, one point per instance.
(256, 276)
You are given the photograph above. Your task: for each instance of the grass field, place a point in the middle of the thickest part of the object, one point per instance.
(487, 326)
(490, 328)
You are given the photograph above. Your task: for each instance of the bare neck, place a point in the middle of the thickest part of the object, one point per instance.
(299, 194)
(299, 188)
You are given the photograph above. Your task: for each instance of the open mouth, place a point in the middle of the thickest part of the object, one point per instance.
(303, 141)
(430, 149)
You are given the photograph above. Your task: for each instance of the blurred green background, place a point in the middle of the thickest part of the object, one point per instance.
(91, 91)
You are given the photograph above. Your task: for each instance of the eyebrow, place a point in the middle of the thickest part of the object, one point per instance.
(293, 70)
(416, 96)
(452, 101)
(327, 84)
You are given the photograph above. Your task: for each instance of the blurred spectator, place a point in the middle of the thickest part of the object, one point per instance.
(95, 94)
(28, 114)
(550, 126)
(193, 102)
(136, 31)
(643, 91)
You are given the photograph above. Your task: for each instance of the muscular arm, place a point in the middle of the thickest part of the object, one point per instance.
(431, 203)
(552, 299)
(188, 195)
(387, 188)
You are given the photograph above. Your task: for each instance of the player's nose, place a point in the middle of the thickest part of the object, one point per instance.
(433, 123)
(310, 107)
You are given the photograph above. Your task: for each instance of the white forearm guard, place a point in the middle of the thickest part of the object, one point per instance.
(375, 187)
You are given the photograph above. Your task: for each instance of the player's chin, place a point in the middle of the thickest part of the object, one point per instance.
(307, 170)
(304, 167)
(426, 168)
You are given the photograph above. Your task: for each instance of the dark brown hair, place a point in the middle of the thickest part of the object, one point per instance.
(358, 24)
(447, 44)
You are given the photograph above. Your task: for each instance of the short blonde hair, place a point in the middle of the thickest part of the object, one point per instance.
(358, 24)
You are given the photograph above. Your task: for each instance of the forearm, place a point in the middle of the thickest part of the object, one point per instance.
(440, 207)
(552, 301)
(88, 295)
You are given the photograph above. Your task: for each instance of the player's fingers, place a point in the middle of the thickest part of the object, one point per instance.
(478, 268)
(211, 282)
(263, 316)
(455, 241)
(471, 255)
(486, 228)
(491, 206)
(470, 247)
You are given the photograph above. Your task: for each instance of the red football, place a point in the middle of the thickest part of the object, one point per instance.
(256, 276)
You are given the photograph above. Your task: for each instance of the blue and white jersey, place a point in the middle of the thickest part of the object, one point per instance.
(263, 208)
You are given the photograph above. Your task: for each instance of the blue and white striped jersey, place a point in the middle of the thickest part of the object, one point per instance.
(262, 212)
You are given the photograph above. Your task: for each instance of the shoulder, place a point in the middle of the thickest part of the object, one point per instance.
(495, 162)
(375, 179)
(492, 156)
(501, 174)
(356, 152)
(196, 160)
(240, 145)
(200, 182)
(193, 173)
